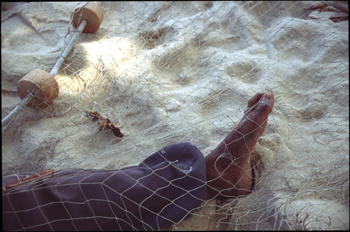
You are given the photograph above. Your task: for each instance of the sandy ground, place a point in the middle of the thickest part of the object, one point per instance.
(170, 72)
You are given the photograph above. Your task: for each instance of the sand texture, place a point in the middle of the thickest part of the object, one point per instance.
(169, 72)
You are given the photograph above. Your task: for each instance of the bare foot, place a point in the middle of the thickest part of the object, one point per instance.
(228, 166)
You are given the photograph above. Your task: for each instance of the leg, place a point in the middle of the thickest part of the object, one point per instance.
(228, 166)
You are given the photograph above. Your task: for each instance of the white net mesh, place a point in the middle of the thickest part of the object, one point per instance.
(170, 72)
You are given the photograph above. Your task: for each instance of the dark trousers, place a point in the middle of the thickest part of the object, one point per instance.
(164, 189)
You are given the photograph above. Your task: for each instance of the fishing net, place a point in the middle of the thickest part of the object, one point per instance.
(176, 72)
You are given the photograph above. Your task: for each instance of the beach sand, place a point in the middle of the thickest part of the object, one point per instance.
(169, 72)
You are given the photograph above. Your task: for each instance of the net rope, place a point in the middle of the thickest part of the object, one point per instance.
(173, 80)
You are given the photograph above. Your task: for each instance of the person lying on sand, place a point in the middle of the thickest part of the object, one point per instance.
(163, 190)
